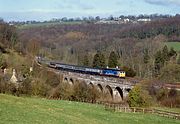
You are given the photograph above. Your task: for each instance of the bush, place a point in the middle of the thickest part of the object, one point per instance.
(62, 91)
(93, 94)
(26, 87)
(77, 92)
(80, 91)
(11, 89)
(52, 79)
(39, 88)
(139, 97)
(168, 98)
(171, 102)
(162, 94)
(2, 85)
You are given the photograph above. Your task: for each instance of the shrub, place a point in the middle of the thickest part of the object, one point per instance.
(168, 98)
(52, 79)
(26, 87)
(162, 94)
(62, 91)
(80, 91)
(11, 89)
(139, 97)
(171, 102)
(39, 88)
(93, 94)
(2, 85)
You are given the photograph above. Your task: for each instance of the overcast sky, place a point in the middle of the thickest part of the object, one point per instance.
(47, 9)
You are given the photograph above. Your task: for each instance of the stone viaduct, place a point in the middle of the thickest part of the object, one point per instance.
(118, 89)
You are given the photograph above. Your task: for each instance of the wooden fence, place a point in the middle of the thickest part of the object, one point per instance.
(119, 108)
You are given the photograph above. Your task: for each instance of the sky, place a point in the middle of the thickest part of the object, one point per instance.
(40, 10)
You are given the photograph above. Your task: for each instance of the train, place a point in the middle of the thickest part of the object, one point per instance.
(111, 72)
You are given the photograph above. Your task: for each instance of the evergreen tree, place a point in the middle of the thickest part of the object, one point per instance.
(99, 60)
(165, 53)
(86, 60)
(146, 56)
(159, 62)
(112, 63)
(96, 60)
(102, 60)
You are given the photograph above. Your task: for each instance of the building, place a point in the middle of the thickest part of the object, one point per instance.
(144, 20)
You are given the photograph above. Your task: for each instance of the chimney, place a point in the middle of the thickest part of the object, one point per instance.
(5, 71)
(31, 69)
(14, 72)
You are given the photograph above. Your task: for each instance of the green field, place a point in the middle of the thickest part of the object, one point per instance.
(175, 45)
(18, 110)
(46, 24)
(168, 109)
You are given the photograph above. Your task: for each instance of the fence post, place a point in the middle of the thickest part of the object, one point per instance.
(114, 107)
(143, 110)
(152, 111)
(134, 109)
(125, 109)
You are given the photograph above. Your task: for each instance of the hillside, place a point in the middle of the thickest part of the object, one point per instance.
(45, 24)
(19, 110)
(136, 45)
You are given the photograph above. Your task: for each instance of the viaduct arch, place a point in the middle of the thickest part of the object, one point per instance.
(115, 92)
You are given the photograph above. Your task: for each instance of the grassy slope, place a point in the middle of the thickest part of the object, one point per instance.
(175, 45)
(169, 109)
(18, 110)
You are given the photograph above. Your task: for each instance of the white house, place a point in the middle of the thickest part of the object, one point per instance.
(144, 20)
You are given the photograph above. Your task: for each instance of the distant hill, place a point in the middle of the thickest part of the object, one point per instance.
(45, 24)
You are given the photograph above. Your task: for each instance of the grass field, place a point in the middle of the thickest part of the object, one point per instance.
(46, 24)
(18, 110)
(175, 45)
(169, 109)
